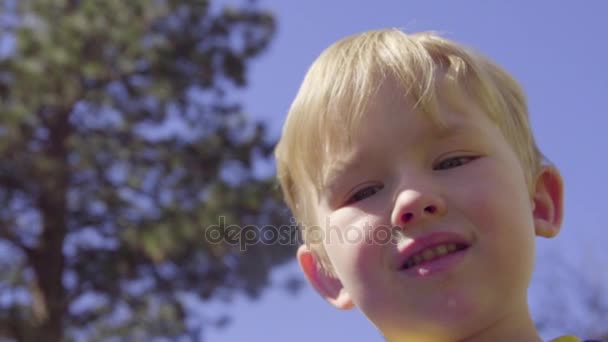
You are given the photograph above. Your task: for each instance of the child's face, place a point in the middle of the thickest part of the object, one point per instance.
(460, 187)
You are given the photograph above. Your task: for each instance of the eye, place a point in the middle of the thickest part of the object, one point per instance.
(364, 193)
(453, 162)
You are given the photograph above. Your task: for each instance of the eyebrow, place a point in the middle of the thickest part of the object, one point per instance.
(441, 131)
(337, 170)
(445, 128)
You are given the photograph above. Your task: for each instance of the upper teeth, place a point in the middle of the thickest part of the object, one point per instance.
(430, 254)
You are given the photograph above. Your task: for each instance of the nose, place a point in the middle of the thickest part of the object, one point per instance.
(413, 207)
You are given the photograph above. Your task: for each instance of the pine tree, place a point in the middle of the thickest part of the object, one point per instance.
(122, 149)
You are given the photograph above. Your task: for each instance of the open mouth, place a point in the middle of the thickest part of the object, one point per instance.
(433, 253)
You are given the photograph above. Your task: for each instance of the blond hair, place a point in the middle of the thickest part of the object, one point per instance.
(333, 98)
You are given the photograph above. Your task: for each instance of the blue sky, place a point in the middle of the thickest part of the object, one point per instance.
(556, 49)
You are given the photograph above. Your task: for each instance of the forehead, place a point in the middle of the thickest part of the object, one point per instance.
(390, 114)
(332, 122)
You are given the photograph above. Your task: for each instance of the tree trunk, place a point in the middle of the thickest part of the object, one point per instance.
(50, 301)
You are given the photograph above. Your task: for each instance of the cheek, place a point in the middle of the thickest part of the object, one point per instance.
(347, 232)
(352, 249)
(498, 195)
(501, 211)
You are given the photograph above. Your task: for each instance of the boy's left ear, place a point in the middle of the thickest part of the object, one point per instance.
(548, 202)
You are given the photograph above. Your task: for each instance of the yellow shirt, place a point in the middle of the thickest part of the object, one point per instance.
(567, 338)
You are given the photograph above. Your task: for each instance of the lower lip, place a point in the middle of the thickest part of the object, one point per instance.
(436, 266)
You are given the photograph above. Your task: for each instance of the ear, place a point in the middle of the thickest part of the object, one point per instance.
(327, 285)
(548, 202)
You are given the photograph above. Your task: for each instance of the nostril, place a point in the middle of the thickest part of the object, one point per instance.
(431, 209)
(406, 217)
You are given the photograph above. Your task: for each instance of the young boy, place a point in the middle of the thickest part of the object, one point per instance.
(410, 165)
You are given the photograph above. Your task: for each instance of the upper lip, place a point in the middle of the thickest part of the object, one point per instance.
(421, 243)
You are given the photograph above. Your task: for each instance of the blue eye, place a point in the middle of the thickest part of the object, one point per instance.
(364, 193)
(453, 162)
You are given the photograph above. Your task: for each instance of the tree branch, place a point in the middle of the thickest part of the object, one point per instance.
(8, 235)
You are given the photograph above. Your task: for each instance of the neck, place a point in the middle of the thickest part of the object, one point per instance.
(513, 325)
(516, 325)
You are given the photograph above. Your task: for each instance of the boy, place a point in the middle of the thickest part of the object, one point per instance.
(410, 164)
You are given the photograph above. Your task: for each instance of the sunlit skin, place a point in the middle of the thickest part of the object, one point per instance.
(403, 171)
